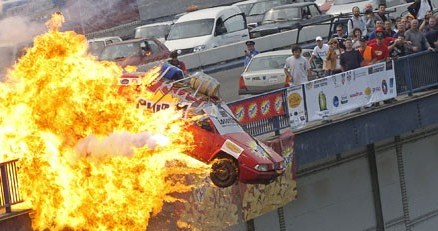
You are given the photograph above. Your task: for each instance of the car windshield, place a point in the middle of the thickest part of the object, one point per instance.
(158, 31)
(245, 8)
(342, 2)
(118, 51)
(96, 47)
(267, 62)
(262, 7)
(191, 29)
(284, 14)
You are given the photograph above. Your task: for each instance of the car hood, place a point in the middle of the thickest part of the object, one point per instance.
(187, 42)
(255, 150)
(275, 25)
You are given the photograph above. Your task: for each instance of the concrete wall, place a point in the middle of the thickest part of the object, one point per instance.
(336, 194)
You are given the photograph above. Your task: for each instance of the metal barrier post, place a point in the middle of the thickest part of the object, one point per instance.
(6, 188)
(276, 125)
(408, 77)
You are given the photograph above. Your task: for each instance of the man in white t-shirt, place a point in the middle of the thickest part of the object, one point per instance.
(320, 52)
(297, 68)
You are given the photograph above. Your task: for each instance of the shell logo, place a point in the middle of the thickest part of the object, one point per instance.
(240, 113)
(265, 107)
(252, 110)
(367, 91)
(294, 100)
(278, 105)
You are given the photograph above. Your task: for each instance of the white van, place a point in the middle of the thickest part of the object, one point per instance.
(207, 28)
(157, 30)
(96, 45)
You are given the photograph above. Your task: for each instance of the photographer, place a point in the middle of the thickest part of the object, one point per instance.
(400, 47)
(250, 52)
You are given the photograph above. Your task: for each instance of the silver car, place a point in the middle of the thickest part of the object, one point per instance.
(265, 72)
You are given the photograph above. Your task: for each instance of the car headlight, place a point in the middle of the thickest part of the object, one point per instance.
(199, 48)
(262, 167)
(255, 34)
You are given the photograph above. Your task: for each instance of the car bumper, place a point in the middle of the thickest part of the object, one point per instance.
(258, 90)
(251, 176)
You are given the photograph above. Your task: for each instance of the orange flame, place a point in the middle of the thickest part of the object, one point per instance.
(88, 159)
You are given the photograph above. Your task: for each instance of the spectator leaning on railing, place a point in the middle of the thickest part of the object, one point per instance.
(351, 58)
(320, 52)
(418, 40)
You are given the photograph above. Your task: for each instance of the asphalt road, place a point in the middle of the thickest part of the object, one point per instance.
(229, 83)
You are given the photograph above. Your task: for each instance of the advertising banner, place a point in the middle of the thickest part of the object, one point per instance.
(255, 109)
(349, 90)
(295, 107)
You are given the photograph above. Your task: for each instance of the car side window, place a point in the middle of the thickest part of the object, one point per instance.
(313, 10)
(220, 27)
(235, 23)
(153, 46)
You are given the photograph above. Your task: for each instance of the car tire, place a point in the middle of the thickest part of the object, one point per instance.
(224, 172)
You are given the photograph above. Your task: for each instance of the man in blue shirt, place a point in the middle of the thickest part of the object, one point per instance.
(250, 52)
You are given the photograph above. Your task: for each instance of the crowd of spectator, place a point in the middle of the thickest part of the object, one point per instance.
(371, 37)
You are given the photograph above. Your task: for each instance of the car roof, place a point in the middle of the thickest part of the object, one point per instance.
(278, 52)
(213, 12)
(293, 5)
(247, 2)
(103, 38)
(133, 41)
(155, 24)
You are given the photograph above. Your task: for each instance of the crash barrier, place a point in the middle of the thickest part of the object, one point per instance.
(10, 193)
(295, 106)
(416, 72)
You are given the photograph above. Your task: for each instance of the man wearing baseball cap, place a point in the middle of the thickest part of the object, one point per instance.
(250, 52)
(380, 34)
(320, 53)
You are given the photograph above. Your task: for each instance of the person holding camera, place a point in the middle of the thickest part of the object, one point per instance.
(400, 47)
(250, 52)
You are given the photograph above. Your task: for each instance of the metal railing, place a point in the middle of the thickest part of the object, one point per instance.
(413, 73)
(10, 193)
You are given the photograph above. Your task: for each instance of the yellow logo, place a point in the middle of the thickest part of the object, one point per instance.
(294, 100)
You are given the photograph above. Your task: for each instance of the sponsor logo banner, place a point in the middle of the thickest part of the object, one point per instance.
(259, 108)
(349, 90)
(295, 107)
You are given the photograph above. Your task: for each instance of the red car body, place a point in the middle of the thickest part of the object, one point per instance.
(234, 155)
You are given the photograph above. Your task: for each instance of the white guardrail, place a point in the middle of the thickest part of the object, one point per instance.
(266, 43)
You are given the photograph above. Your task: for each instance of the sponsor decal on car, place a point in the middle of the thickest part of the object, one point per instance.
(231, 148)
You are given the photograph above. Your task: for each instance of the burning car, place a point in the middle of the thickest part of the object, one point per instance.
(219, 139)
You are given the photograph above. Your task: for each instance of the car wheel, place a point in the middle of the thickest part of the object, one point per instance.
(223, 172)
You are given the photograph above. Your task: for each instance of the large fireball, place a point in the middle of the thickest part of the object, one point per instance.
(88, 159)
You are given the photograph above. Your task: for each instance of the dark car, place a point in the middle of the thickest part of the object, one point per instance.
(288, 17)
(135, 52)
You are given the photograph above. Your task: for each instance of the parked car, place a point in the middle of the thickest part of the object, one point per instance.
(96, 45)
(135, 52)
(335, 7)
(157, 30)
(288, 17)
(219, 140)
(207, 28)
(255, 9)
(265, 72)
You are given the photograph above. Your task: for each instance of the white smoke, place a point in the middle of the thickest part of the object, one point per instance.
(119, 144)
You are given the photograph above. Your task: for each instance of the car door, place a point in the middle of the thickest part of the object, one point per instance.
(232, 29)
